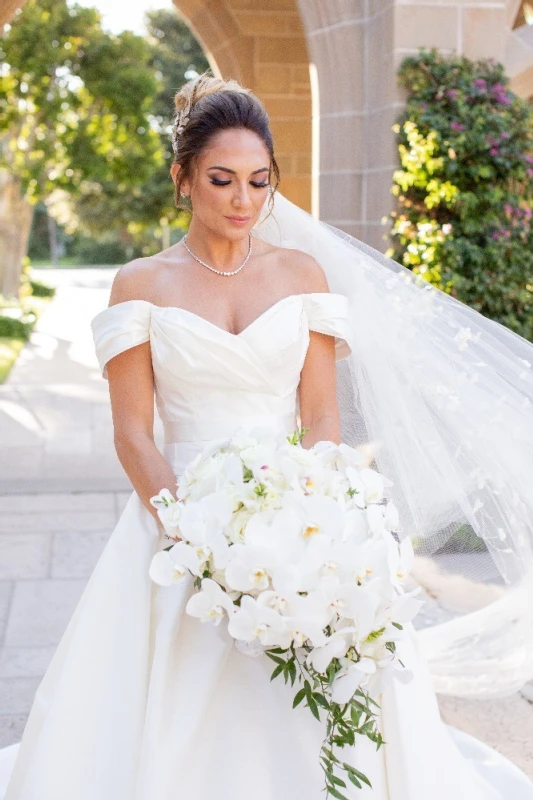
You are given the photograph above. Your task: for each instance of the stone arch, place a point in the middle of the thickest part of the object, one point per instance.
(265, 49)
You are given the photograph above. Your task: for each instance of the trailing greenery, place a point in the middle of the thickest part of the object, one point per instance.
(465, 187)
(19, 327)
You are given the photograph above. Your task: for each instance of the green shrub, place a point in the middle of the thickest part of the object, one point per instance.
(465, 187)
(17, 327)
(39, 289)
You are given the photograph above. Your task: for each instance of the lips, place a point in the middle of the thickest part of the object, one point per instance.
(239, 219)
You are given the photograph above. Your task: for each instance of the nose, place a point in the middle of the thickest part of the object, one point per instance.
(241, 196)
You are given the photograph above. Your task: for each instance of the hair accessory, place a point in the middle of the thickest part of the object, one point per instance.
(180, 121)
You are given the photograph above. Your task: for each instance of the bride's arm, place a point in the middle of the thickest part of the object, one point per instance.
(317, 389)
(131, 390)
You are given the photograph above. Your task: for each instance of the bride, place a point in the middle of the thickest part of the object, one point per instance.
(263, 316)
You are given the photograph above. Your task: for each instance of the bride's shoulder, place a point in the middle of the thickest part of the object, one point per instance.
(306, 274)
(136, 279)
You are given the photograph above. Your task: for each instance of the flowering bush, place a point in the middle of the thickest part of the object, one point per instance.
(297, 549)
(465, 187)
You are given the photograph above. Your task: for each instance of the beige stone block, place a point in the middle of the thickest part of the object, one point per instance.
(378, 130)
(297, 189)
(187, 8)
(300, 74)
(288, 107)
(342, 143)
(303, 164)
(273, 78)
(215, 23)
(286, 164)
(302, 91)
(339, 57)
(483, 32)
(272, 5)
(341, 197)
(281, 51)
(291, 136)
(427, 25)
(380, 75)
(376, 7)
(319, 14)
(379, 199)
(376, 236)
(260, 22)
(235, 60)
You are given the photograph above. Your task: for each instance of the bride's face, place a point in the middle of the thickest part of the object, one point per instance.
(230, 183)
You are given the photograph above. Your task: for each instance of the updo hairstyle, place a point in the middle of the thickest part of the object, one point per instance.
(207, 105)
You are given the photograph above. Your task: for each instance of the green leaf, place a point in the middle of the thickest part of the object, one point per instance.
(276, 672)
(299, 696)
(335, 793)
(353, 779)
(277, 659)
(313, 706)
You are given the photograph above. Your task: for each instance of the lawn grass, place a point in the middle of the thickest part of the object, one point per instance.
(10, 347)
(9, 351)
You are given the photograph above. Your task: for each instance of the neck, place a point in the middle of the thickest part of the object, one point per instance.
(216, 250)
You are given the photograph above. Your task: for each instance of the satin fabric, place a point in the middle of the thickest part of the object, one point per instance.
(143, 702)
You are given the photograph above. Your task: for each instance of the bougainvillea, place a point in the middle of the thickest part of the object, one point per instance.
(465, 186)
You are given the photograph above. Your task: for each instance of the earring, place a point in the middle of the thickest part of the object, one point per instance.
(186, 201)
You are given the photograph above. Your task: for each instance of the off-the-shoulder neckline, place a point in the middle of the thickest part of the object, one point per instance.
(186, 311)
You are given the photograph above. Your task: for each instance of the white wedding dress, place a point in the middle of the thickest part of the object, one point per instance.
(141, 701)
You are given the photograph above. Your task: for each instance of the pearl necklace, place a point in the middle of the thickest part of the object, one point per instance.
(220, 271)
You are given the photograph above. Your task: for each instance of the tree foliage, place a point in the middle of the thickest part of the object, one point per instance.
(465, 187)
(75, 103)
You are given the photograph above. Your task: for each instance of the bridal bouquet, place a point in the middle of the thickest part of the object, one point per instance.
(298, 549)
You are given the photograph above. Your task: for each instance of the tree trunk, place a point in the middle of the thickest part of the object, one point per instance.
(52, 240)
(16, 216)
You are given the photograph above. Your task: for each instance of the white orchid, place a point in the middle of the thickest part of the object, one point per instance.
(253, 621)
(400, 559)
(250, 568)
(173, 565)
(350, 679)
(299, 549)
(211, 603)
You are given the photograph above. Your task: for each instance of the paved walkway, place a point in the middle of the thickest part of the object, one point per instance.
(62, 490)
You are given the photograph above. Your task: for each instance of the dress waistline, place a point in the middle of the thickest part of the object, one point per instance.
(205, 430)
(185, 439)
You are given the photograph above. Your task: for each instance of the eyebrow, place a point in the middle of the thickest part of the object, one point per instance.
(232, 172)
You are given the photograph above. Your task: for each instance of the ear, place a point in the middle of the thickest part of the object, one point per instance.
(174, 172)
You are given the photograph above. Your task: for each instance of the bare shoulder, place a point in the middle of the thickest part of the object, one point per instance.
(306, 272)
(133, 281)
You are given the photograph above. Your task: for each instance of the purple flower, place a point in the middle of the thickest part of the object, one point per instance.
(527, 213)
(508, 209)
(494, 151)
(453, 94)
(530, 173)
(481, 84)
(528, 159)
(505, 135)
(501, 234)
(457, 126)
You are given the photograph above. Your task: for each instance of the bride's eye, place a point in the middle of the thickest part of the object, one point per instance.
(259, 185)
(217, 182)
